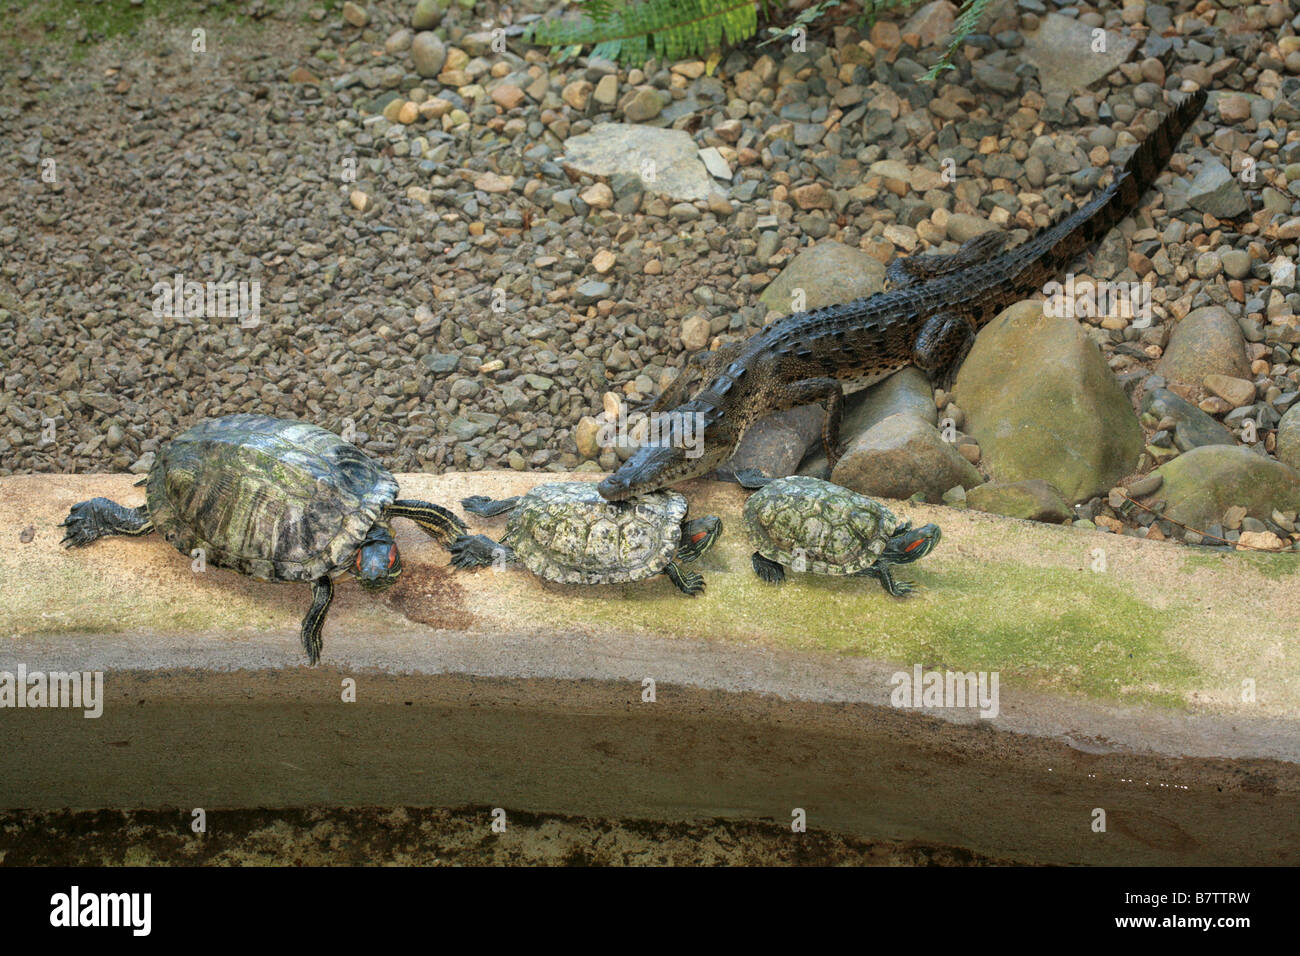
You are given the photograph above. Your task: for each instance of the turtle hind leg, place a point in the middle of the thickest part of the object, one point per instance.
(485, 507)
(100, 517)
(688, 582)
(322, 593)
(471, 551)
(885, 575)
(768, 570)
(434, 520)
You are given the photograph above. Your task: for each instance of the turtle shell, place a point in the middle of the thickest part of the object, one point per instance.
(832, 529)
(567, 533)
(274, 499)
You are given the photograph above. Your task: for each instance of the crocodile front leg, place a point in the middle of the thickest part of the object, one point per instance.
(809, 391)
(941, 346)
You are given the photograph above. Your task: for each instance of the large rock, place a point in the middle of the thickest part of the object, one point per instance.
(666, 160)
(1062, 48)
(1035, 500)
(776, 443)
(828, 273)
(1200, 485)
(1194, 427)
(901, 456)
(1288, 437)
(1208, 341)
(906, 391)
(1042, 403)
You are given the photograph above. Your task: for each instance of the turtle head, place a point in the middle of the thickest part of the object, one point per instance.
(911, 544)
(377, 563)
(698, 535)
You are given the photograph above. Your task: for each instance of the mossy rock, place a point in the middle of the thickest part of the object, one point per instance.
(1200, 485)
(1042, 403)
(1034, 500)
(828, 273)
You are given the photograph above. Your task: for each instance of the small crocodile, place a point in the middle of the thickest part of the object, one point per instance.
(928, 318)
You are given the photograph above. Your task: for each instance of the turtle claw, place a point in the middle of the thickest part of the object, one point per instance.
(82, 526)
(471, 551)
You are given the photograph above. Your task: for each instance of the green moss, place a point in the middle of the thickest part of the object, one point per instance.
(1275, 566)
(78, 24)
(1054, 629)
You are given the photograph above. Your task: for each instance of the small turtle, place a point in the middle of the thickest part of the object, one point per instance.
(817, 526)
(276, 500)
(566, 532)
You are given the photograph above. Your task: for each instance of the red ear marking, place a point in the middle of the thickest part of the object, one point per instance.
(392, 556)
(358, 560)
(914, 544)
(699, 536)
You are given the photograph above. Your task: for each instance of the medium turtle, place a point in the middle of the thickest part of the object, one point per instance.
(814, 525)
(566, 532)
(276, 500)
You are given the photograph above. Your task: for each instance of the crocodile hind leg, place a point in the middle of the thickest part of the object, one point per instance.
(942, 345)
(100, 517)
(434, 520)
(813, 390)
(913, 270)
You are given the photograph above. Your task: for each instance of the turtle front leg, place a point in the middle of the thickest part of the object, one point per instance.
(434, 520)
(322, 593)
(768, 570)
(100, 517)
(882, 571)
(478, 551)
(688, 582)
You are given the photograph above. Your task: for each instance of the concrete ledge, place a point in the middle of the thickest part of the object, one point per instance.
(1120, 688)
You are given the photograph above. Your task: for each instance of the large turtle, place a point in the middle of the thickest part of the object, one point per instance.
(566, 532)
(814, 525)
(276, 500)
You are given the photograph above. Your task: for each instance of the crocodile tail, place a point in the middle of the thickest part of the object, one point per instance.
(1054, 248)
(1147, 162)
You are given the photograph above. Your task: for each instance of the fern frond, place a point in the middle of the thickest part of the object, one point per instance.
(968, 21)
(674, 29)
